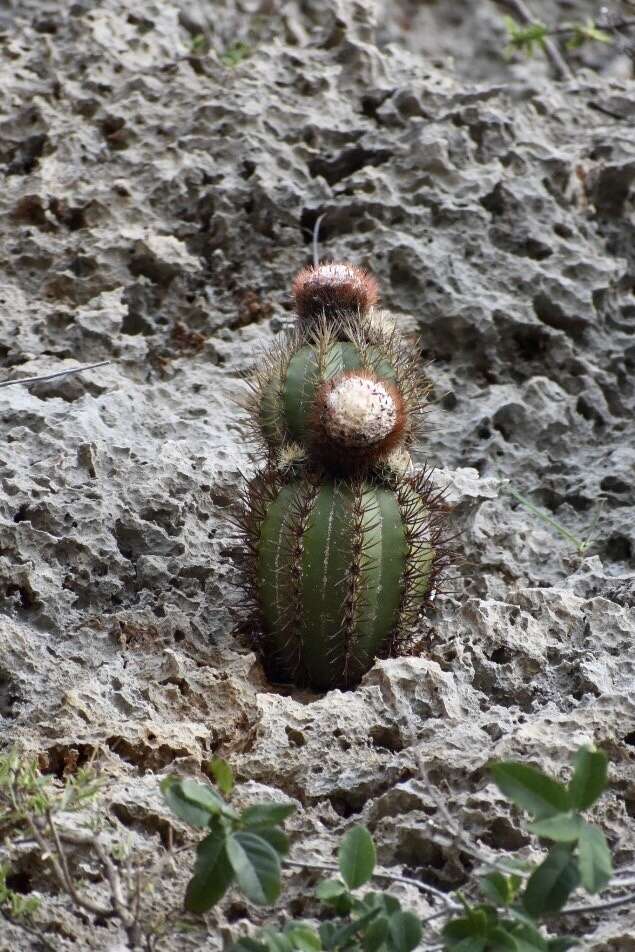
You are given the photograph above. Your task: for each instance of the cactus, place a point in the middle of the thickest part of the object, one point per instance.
(339, 570)
(309, 387)
(345, 543)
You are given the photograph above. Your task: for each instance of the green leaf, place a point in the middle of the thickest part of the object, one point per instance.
(561, 943)
(527, 938)
(375, 934)
(550, 885)
(256, 866)
(335, 894)
(594, 859)
(589, 778)
(469, 944)
(475, 924)
(222, 774)
(330, 889)
(343, 935)
(497, 889)
(303, 937)
(500, 940)
(247, 944)
(327, 931)
(276, 838)
(587, 31)
(530, 789)
(275, 940)
(191, 801)
(357, 857)
(266, 814)
(563, 827)
(212, 873)
(405, 931)
(381, 900)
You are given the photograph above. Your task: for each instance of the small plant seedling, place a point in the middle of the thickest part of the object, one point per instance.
(235, 54)
(240, 847)
(524, 38)
(513, 906)
(527, 37)
(582, 546)
(368, 923)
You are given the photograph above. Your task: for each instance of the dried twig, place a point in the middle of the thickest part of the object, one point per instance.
(450, 905)
(60, 373)
(597, 906)
(123, 908)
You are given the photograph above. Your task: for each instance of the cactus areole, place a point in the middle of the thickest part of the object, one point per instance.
(341, 568)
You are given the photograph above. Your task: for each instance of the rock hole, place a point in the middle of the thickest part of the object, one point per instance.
(501, 655)
(20, 882)
(9, 694)
(614, 484)
(146, 823)
(386, 737)
(296, 738)
(347, 163)
(502, 835)
(618, 548)
(308, 219)
(551, 313)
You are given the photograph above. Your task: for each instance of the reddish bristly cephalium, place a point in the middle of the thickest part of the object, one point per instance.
(343, 288)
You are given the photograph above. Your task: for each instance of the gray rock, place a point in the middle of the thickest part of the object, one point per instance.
(156, 203)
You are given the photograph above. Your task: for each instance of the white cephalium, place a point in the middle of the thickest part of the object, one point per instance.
(359, 411)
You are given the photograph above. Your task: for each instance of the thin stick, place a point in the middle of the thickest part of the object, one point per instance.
(597, 906)
(316, 239)
(60, 869)
(119, 901)
(618, 25)
(560, 65)
(459, 840)
(407, 880)
(60, 373)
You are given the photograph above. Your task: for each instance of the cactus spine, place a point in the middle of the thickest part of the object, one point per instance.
(344, 543)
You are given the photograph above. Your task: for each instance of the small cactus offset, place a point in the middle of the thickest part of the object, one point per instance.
(345, 543)
(348, 394)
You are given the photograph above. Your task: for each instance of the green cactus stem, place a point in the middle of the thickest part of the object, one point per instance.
(339, 570)
(310, 386)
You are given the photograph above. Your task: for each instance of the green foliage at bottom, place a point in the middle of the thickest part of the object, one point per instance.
(245, 849)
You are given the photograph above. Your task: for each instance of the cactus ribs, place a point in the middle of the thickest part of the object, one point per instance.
(344, 542)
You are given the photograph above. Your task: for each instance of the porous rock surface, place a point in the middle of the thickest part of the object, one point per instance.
(156, 203)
